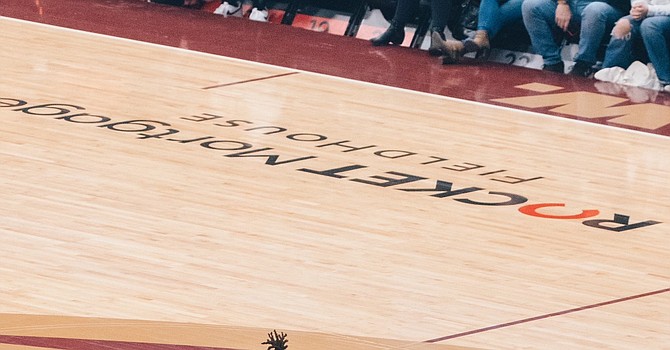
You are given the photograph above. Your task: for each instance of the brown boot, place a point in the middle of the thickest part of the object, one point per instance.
(451, 49)
(437, 39)
(479, 44)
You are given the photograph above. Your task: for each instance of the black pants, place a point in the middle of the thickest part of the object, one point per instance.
(406, 9)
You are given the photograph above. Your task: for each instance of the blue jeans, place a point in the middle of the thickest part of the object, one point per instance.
(595, 19)
(493, 16)
(655, 33)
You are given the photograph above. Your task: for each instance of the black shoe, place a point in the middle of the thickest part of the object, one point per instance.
(556, 67)
(393, 35)
(582, 69)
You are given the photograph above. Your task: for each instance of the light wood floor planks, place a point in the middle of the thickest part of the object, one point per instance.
(309, 203)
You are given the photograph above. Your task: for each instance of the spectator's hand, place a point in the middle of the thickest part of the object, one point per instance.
(563, 16)
(639, 10)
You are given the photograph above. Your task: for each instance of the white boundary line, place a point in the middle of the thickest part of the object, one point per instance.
(477, 103)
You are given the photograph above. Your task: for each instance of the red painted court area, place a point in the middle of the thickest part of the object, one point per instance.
(79, 344)
(336, 55)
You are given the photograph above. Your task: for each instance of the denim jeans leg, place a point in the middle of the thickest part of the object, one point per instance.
(488, 16)
(493, 15)
(655, 33)
(539, 19)
(620, 50)
(597, 21)
(508, 13)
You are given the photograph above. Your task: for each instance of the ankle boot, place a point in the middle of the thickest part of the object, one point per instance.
(395, 35)
(479, 44)
(451, 49)
(436, 46)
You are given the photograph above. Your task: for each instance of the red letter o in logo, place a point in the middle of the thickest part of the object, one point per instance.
(532, 211)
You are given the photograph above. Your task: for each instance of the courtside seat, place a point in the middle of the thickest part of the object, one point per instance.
(337, 17)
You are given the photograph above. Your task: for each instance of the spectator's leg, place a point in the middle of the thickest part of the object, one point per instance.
(488, 15)
(620, 49)
(538, 17)
(489, 22)
(507, 13)
(597, 20)
(655, 33)
(404, 11)
(395, 34)
(439, 11)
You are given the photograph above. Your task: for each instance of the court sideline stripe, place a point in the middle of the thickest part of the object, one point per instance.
(249, 80)
(449, 98)
(541, 317)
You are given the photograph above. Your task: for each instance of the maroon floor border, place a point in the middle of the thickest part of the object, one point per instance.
(283, 45)
(80, 344)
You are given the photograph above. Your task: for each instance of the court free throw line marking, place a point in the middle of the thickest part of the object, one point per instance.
(541, 317)
(249, 80)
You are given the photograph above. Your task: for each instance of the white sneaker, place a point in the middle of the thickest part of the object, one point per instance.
(227, 9)
(612, 74)
(667, 88)
(641, 75)
(258, 15)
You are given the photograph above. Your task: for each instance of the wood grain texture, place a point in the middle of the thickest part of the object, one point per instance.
(101, 219)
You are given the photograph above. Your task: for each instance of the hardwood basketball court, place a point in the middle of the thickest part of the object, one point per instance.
(161, 196)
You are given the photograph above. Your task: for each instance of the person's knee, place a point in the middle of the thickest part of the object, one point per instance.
(596, 10)
(648, 26)
(531, 7)
(622, 29)
(597, 6)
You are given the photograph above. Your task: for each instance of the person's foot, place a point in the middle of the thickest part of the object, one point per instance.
(394, 35)
(258, 15)
(610, 74)
(555, 67)
(479, 44)
(436, 46)
(582, 69)
(226, 9)
(452, 50)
